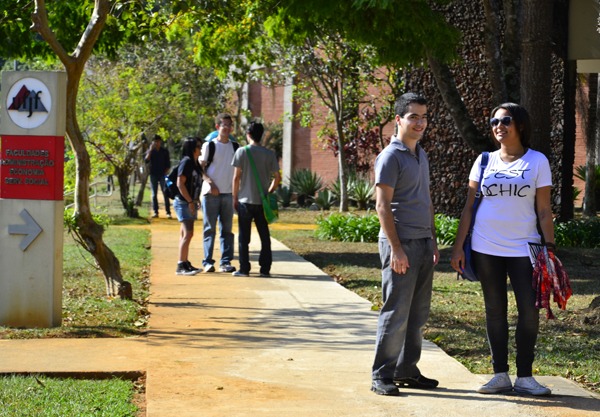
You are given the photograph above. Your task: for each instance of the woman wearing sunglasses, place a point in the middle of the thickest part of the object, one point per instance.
(516, 195)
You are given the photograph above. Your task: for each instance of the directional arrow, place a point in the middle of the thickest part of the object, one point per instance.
(31, 229)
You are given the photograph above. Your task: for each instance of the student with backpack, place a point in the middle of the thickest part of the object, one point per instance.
(216, 197)
(188, 171)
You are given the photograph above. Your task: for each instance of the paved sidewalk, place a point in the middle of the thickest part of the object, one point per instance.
(295, 344)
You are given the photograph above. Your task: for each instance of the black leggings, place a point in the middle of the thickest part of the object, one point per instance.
(492, 272)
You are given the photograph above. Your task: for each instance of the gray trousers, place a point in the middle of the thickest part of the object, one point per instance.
(406, 304)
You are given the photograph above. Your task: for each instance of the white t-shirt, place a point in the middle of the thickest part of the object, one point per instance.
(220, 169)
(506, 220)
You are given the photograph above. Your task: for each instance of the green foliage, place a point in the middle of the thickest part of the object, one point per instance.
(284, 195)
(306, 184)
(377, 23)
(325, 199)
(70, 220)
(578, 233)
(445, 229)
(128, 22)
(43, 396)
(348, 228)
(361, 191)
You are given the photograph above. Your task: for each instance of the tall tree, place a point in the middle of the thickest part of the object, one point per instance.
(322, 44)
(121, 105)
(536, 74)
(338, 72)
(62, 26)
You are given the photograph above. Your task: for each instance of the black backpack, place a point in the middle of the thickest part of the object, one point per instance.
(171, 189)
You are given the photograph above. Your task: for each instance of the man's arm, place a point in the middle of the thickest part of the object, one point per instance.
(398, 259)
(275, 182)
(436, 252)
(237, 176)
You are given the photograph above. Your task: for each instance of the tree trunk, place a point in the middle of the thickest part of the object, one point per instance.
(536, 76)
(343, 172)
(493, 50)
(511, 56)
(567, 204)
(589, 200)
(88, 231)
(447, 87)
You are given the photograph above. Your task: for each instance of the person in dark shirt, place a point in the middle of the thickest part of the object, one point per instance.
(160, 162)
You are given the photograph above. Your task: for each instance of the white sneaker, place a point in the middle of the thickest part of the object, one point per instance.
(528, 385)
(499, 383)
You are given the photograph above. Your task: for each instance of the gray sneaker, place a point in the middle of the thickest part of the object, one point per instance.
(499, 383)
(528, 385)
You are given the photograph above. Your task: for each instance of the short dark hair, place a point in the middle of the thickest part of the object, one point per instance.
(401, 106)
(256, 130)
(156, 137)
(521, 119)
(222, 116)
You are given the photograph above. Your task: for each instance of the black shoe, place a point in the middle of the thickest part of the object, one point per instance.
(419, 382)
(384, 387)
(185, 268)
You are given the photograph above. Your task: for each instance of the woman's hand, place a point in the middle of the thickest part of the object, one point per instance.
(457, 260)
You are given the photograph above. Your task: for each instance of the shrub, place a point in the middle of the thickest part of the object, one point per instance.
(284, 195)
(580, 233)
(325, 199)
(445, 228)
(348, 228)
(361, 190)
(306, 184)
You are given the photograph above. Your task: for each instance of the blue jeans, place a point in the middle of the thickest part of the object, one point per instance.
(155, 181)
(217, 207)
(492, 272)
(405, 310)
(247, 213)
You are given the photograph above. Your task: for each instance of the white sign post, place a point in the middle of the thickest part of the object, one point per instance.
(32, 130)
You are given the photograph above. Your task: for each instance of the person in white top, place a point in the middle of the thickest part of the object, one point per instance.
(516, 188)
(216, 197)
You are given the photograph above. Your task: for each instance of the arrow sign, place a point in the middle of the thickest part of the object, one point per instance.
(31, 229)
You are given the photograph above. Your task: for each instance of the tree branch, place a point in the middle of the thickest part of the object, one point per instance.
(40, 24)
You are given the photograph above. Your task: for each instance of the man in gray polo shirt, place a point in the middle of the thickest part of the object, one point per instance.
(408, 251)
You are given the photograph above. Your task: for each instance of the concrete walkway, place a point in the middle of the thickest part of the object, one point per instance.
(295, 344)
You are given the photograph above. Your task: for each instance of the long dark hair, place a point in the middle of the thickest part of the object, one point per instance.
(189, 146)
(520, 118)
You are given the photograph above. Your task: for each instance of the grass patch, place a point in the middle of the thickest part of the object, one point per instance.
(568, 346)
(87, 312)
(41, 396)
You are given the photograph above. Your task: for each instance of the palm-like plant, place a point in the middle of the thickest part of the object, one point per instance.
(361, 191)
(306, 184)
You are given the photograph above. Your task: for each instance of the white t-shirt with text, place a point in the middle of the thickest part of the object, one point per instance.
(506, 219)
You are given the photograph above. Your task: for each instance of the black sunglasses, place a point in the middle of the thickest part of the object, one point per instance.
(504, 120)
